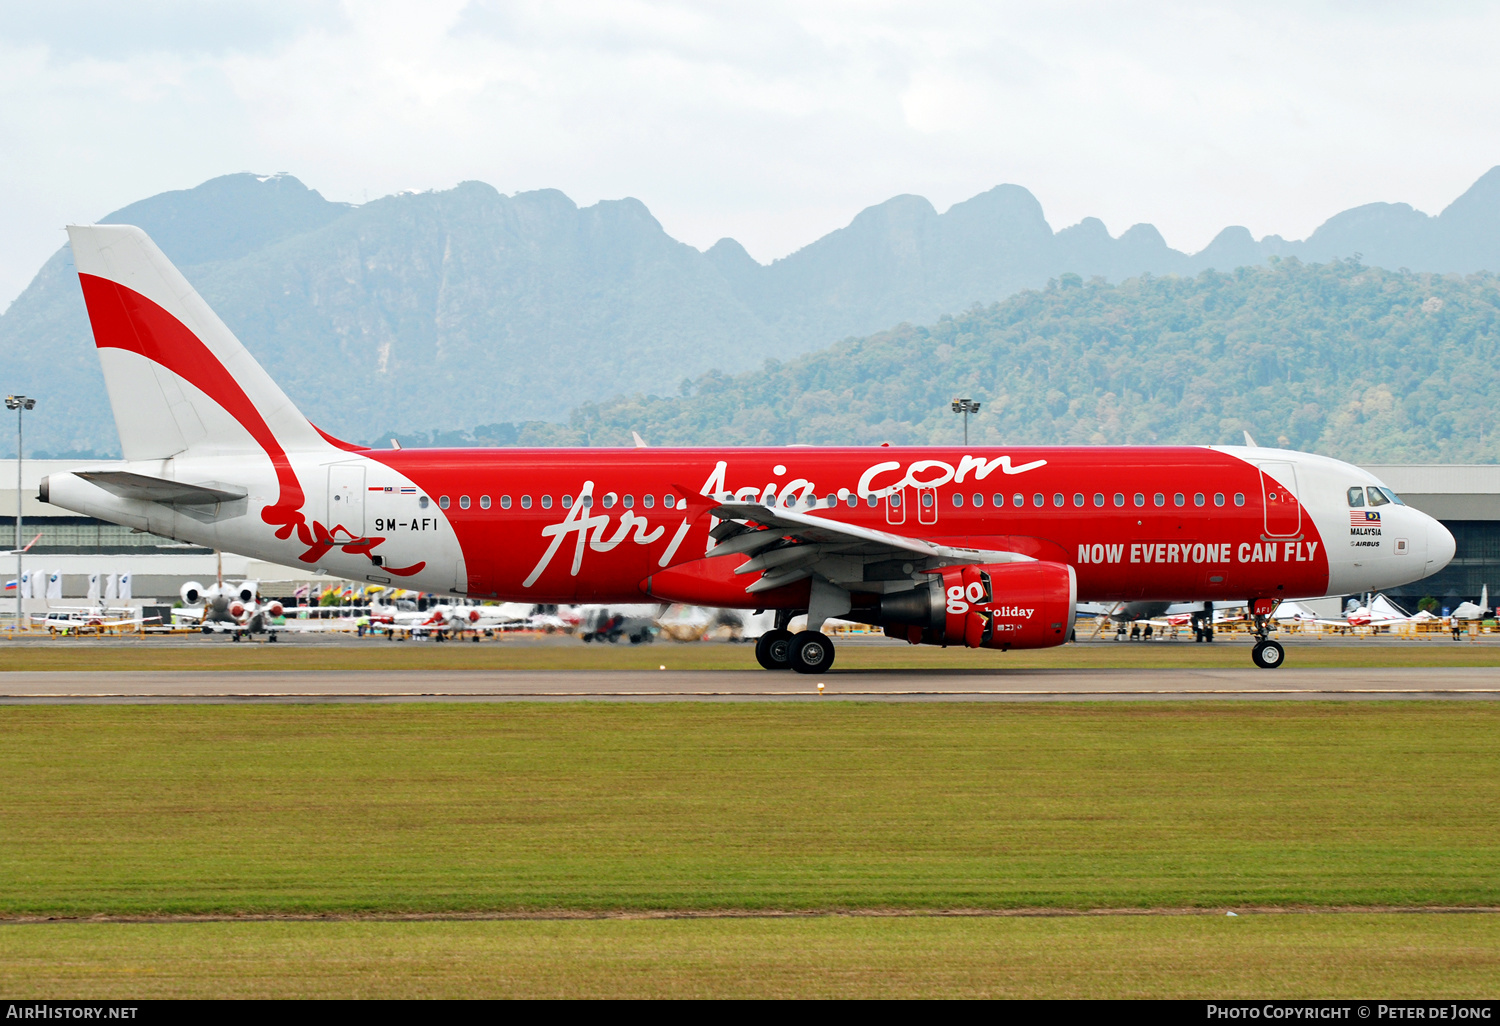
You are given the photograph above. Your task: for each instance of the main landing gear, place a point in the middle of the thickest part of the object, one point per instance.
(805, 651)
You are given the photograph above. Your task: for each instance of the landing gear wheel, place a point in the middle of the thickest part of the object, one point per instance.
(1268, 654)
(774, 650)
(812, 652)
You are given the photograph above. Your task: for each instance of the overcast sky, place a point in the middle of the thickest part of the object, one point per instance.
(769, 122)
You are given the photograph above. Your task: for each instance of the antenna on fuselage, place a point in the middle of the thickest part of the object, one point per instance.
(640, 443)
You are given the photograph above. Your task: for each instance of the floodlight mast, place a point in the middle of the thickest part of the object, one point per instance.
(966, 407)
(20, 404)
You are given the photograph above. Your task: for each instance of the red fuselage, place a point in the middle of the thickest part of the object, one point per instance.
(1135, 523)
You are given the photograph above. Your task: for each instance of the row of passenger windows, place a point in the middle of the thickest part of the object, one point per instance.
(628, 501)
(1059, 499)
(977, 499)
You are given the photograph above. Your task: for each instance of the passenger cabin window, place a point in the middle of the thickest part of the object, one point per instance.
(927, 499)
(1119, 499)
(1140, 499)
(1239, 498)
(484, 502)
(1178, 499)
(525, 502)
(1356, 497)
(831, 501)
(1039, 499)
(505, 502)
(1377, 496)
(1198, 498)
(588, 501)
(422, 501)
(442, 502)
(648, 501)
(1017, 499)
(1057, 499)
(1099, 500)
(628, 501)
(1218, 498)
(998, 499)
(958, 498)
(979, 499)
(1159, 499)
(567, 501)
(871, 501)
(463, 502)
(1078, 499)
(852, 500)
(546, 502)
(609, 500)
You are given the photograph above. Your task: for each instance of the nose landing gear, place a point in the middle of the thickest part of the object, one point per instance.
(1266, 654)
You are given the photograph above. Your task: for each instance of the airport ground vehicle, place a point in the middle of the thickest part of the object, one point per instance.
(940, 545)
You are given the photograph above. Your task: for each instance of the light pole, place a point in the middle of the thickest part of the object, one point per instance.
(966, 407)
(20, 404)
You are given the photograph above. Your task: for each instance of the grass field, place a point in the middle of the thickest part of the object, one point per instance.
(339, 808)
(218, 654)
(1411, 956)
(581, 808)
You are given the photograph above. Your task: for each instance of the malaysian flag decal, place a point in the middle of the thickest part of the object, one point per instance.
(1364, 518)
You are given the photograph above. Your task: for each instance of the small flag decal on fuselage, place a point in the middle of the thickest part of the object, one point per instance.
(1363, 518)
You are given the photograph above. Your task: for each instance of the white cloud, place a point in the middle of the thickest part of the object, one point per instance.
(773, 123)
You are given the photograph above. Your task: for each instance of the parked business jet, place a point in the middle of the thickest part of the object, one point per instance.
(988, 547)
(1470, 611)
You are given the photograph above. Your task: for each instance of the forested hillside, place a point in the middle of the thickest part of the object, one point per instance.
(1339, 358)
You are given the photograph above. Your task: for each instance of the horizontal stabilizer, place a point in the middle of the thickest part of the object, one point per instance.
(157, 489)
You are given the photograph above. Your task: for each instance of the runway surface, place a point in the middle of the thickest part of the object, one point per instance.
(741, 685)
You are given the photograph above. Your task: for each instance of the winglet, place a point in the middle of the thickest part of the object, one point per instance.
(1250, 441)
(697, 504)
(640, 443)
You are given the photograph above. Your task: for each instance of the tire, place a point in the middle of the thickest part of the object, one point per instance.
(812, 652)
(1268, 655)
(774, 650)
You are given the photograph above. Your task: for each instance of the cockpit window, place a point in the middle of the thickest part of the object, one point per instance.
(1377, 496)
(1356, 496)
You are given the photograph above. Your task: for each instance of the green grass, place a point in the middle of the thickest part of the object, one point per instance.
(340, 808)
(1321, 955)
(219, 655)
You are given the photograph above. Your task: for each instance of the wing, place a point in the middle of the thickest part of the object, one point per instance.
(786, 546)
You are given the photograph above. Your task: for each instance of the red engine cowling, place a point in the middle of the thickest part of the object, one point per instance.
(1002, 605)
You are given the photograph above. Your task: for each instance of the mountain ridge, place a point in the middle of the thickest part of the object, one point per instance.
(444, 309)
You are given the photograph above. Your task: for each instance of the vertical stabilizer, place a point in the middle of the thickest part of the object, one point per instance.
(179, 382)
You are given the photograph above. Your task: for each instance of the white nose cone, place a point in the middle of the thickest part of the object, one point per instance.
(1440, 546)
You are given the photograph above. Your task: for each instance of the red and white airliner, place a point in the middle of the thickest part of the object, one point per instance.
(968, 546)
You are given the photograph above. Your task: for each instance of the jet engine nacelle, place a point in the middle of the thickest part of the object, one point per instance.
(192, 593)
(995, 605)
(274, 609)
(247, 592)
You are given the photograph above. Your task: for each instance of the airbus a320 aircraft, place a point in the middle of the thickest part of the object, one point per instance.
(946, 546)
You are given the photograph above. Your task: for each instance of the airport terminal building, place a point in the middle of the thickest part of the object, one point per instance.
(1465, 498)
